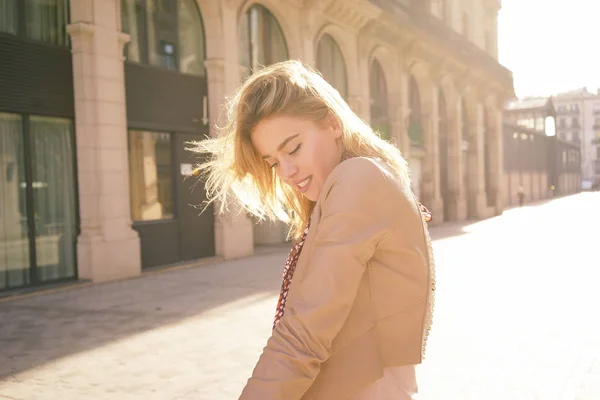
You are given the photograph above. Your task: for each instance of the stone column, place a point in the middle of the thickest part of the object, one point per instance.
(457, 207)
(361, 106)
(398, 123)
(403, 113)
(108, 248)
(234, 236)
(476, 163)
(498, 165)
(430, 180)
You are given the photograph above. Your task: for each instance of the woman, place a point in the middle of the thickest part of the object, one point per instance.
(355, 306)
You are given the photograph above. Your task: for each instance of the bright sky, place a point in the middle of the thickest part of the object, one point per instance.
(551, 46)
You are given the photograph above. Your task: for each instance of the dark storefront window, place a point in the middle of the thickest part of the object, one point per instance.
(262, 41)
(151, 175)
(38, 226)
(330, 62)
(165, 33)
(43, 21)
(380, 121)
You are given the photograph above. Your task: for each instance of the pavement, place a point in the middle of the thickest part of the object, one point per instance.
(517, 317)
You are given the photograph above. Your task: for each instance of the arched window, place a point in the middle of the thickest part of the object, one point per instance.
(380, 121)
(165, 33)
(262, 41)
(415, 124)
(40, 20)
(330, 63)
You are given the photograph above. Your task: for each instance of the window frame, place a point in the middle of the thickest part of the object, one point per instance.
(267, 39)
(173, 175)
(334, 49)
(21, 33)
(144, 44)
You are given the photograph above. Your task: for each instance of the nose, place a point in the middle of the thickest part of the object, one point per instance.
(287, 170)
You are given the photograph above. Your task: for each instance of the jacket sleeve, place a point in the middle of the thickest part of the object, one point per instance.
(355, 214)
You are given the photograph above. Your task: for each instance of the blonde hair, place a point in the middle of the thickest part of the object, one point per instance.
(236, 172)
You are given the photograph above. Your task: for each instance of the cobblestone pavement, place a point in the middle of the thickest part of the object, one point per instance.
(517, 317)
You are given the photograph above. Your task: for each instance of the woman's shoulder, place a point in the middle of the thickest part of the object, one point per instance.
(362, 177)
(363, 169)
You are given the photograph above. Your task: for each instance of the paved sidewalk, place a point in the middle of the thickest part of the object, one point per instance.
(516, 318)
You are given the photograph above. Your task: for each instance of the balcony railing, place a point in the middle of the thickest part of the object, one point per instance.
(461, 46)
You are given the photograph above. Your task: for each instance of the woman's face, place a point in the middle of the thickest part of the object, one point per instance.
(302, 152)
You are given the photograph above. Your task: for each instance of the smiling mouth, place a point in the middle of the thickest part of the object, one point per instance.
(302, 186)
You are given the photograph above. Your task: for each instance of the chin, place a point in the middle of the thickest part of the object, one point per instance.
(311, 196)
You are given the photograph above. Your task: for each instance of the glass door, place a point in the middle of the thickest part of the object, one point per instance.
(38, 210)
(14, 242)
(54, 204)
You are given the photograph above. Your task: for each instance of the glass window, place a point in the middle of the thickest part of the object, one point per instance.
(191, 38)
(261, 39)
(54, 197)
(165, 33)
(151, 175)
(132, 21)
(8, 16)
(46, 21)
(539, 124)
(379, 101)
(14, 241)
(330, 63)
(161, 18)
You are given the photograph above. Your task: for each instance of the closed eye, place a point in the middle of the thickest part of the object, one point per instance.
(291, 153)
(296, 149)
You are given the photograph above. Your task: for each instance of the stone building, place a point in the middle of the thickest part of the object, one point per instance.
(100, 96)
(536, 160)
(578, 120)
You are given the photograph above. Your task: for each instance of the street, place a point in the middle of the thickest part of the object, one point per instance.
(517, 317)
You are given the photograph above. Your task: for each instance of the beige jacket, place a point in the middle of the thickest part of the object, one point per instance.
(362, 293)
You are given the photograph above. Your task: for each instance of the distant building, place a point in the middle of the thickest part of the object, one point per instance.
(596, 142)
(578, 122)
(535, 160)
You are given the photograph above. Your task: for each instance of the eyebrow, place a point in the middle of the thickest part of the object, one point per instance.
(283, 144)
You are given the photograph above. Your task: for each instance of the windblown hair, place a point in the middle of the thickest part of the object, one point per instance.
(236, 173)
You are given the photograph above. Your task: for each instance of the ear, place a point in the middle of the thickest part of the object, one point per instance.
(333, 123)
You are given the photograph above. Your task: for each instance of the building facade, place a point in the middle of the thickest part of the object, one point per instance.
(578, 120)
(537, 162)
(596, 143)
(100, 98)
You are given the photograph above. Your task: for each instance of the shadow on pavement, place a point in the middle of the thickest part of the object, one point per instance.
(38, 330)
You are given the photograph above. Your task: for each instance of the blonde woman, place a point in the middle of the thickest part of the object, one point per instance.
(355, 306)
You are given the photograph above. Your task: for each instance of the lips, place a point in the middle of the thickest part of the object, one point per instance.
(302, 186)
